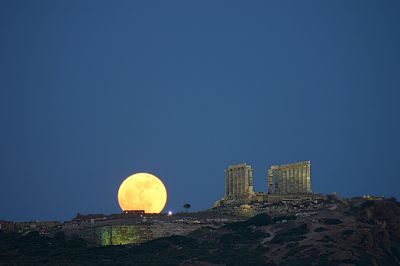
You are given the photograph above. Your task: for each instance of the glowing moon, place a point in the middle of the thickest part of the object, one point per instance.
(142, 191)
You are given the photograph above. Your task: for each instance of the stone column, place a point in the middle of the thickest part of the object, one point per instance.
(304, 179)
(239, 192)
(299, 181)
(251, 181)
(281, 179)
(294, 180)
(287, 180)
(242, 186)
(226, 183)
(248, 184)
(308, 177)
(270, 184)
(235, 183)
(230, 183)
(301, 185)
(246, 181)
(277, 181)
(240, 181)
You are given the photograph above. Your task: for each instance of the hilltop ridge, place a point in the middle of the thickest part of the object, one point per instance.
(355, 232)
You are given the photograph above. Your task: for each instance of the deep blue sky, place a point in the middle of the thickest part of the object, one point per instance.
(93, 91)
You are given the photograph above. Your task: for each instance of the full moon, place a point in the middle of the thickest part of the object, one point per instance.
(142, 191)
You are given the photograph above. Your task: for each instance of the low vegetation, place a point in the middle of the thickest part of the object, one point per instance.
(261, 219)
(331, 221)
(241, 243)
(294, 234)
(284, 218)
(320, 229)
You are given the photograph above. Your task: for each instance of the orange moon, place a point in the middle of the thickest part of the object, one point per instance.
(142, 191)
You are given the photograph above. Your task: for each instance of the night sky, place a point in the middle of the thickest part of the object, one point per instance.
(93, 91)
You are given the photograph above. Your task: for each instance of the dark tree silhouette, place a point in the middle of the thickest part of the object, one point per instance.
(186, 206)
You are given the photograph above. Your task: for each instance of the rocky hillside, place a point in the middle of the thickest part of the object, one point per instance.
(352, 233)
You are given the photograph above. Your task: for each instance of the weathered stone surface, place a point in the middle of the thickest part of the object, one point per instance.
(238, 180)
(293, 178)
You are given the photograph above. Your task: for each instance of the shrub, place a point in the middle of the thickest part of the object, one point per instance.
(257, 220)
(367, 204)
(260, 220)
(284, 217)
(294, 234)
(242, 237)
(331, 221)
(348, 233)
(327, 239)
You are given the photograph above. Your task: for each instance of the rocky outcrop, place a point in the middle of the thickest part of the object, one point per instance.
(353, 233)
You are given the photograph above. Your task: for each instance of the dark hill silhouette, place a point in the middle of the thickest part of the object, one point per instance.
(356, 233)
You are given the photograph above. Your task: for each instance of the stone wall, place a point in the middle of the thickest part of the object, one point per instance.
(118, 232)
(123, 234)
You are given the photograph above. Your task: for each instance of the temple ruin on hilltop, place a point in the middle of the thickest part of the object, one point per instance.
(287, 181)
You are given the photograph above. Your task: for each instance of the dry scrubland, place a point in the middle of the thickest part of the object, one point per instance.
(355, 233)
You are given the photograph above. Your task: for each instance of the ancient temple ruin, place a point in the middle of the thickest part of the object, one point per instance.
(239, 180)
(287, 182)
(293, 178)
